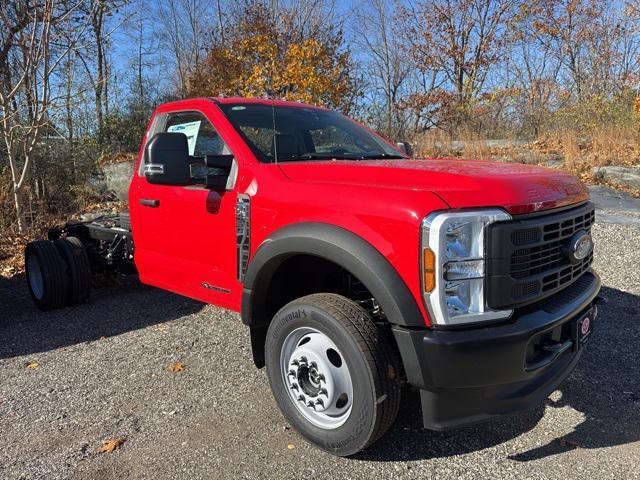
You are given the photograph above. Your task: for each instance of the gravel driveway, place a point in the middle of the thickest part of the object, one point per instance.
(101, 373)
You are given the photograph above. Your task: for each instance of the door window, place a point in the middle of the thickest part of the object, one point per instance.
(202, 138)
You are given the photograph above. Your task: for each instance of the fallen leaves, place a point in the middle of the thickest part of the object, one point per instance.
(291, 446)
(12, 254)
(176, 367)
(109, 446)
(33, 365)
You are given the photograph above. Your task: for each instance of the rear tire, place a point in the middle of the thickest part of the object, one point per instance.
(328, 350)
(46, 275)
(78, 268)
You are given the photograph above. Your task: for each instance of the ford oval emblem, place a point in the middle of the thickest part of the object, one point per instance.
(580, 246)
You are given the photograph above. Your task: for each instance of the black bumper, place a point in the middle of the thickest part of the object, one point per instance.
(467, 376)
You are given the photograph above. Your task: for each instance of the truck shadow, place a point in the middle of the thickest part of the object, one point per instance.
(25, 330)
(604, 389)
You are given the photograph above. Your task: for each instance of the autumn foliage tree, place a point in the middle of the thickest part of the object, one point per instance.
(461, 40)
(270, 54)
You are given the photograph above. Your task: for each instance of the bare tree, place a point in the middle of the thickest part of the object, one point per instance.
(185, 29)
(387, 69)
(94, 56)
(27, 64)
(462, 39)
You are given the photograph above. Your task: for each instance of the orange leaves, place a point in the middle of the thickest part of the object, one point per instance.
(636, 106)
(275, 58)
(176, 367)
(109, 446)
(33, 365)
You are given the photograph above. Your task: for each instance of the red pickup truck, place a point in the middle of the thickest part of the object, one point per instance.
(356, 268)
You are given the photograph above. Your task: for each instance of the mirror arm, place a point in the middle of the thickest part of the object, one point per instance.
(220, 162)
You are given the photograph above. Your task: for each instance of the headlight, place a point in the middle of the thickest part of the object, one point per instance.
(453, 261)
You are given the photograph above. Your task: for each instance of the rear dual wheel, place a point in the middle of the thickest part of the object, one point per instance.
(333, 372)
(58, 273)
(46, 275)
(78, 269)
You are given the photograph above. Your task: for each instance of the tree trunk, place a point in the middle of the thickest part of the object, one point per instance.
(97, 23)
(19, 203)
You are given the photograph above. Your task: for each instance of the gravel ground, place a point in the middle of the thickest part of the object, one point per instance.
(102, 374)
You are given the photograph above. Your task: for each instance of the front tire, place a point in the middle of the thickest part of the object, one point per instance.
(333, 372)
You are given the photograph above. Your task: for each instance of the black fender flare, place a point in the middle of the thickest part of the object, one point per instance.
(340, 246)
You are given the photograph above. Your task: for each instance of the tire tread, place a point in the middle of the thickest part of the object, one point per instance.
(78, 268)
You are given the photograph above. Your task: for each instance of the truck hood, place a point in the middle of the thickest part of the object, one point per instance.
(460, 183)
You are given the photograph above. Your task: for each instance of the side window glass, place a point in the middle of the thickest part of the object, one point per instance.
(202, 138)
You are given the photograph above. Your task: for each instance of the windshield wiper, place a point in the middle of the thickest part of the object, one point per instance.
(387, 156)
(320, 156)
(338, 156)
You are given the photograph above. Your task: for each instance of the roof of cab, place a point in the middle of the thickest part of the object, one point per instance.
(185, 102)
(262, 101)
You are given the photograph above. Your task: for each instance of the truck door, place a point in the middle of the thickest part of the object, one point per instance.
(185, 236)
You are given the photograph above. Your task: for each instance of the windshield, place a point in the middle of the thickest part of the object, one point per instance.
(281, 134)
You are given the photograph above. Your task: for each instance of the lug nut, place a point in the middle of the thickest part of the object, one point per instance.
(301, 398)
(311, 405)
(292, 373)
(323, 391)
(294, 386)
(295, 362)
(320, 402)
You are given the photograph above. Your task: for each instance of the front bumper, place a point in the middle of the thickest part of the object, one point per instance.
(467, 376)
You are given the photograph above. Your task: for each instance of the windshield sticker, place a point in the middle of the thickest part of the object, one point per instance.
(190, 129)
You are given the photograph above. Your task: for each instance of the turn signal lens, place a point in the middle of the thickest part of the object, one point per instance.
(429, 265)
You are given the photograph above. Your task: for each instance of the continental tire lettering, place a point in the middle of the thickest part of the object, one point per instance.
(294, 315)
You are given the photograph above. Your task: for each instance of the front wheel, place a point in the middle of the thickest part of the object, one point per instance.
(333, 372)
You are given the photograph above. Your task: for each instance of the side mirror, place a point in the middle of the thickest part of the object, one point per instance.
(167, 162)
(167, 159)
(406, 148)
(221, 171)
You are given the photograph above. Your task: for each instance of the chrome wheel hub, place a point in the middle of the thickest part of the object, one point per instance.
(316, 377)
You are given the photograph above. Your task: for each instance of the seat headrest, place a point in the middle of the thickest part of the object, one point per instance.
(284, 145)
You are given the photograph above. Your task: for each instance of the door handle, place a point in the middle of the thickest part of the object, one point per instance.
(149, 202)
